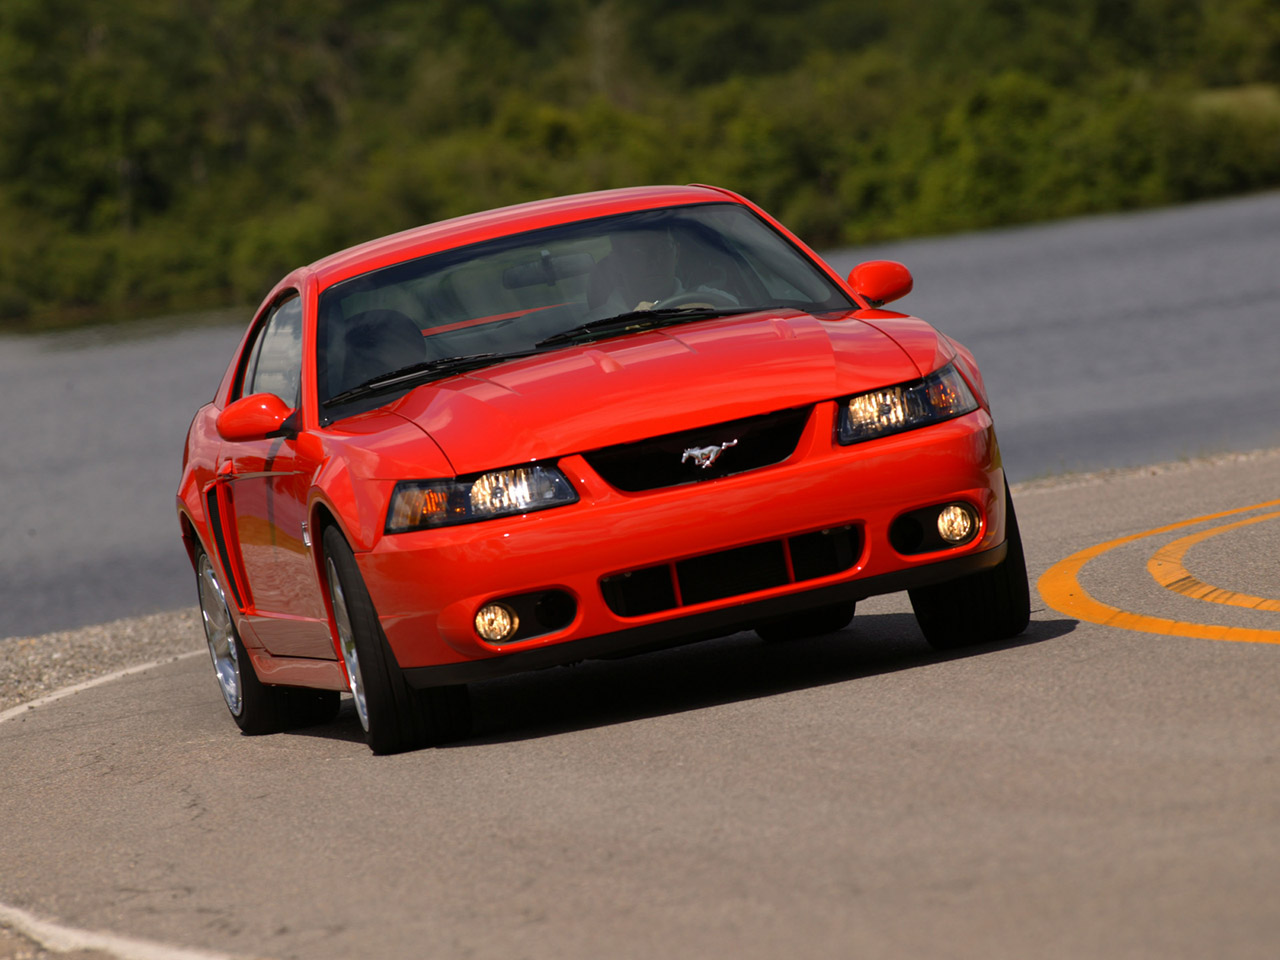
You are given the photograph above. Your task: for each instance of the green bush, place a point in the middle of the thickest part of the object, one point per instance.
(152, 158)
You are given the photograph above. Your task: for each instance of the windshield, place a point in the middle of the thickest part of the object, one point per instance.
(546, 288)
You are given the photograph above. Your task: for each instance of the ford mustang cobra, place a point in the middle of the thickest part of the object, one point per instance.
(571, 429)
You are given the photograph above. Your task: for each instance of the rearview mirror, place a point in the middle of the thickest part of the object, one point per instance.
(880, 281)
(254, 417)
(547, 269)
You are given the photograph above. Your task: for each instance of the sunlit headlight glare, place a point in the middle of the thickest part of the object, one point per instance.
(420, 504)
(510, 491)
(496, 622)
(955, 523)
(877, 413)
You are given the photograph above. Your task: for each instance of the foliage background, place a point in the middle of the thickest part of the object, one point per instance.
(166, 154)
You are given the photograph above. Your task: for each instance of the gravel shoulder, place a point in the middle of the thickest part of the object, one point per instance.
(34, 667)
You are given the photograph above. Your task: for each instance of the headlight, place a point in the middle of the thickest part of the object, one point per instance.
(420, 504)
(940, 396)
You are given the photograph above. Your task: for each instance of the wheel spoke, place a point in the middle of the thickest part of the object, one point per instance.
(347, 643)
(220, 635)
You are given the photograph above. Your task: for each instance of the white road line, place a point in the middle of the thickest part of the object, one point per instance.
(54, 936)
(22, 708)
(64, 939)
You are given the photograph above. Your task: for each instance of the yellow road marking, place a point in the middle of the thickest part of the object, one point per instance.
(1060, 587)
(1168, 570)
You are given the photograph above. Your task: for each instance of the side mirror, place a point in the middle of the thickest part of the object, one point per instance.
(879, 281)
(253, 418)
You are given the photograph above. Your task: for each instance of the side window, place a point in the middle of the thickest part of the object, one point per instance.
(275, 360)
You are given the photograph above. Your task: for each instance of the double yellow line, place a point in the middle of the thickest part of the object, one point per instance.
(1061, 589)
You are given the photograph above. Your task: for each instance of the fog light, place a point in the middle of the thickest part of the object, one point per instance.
(955, 523)
(496, 622)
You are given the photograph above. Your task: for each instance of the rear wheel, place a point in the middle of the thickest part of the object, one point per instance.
(255, 707)
(395, 716)
(992, 604)
(807, 623)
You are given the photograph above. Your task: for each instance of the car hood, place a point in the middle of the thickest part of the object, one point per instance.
(647, 384)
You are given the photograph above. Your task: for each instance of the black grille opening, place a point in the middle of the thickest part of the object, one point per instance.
(907, 534)
(639, 592)
(823, 553)
(555, 610)
(730, 573)
(732, 447)
(917, 531)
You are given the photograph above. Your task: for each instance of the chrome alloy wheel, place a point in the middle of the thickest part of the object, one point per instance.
(347, 642)
(220, 634)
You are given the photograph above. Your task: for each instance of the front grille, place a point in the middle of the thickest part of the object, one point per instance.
(731, 573)
(666, 461)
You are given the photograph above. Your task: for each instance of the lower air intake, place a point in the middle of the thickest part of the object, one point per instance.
(732, 573)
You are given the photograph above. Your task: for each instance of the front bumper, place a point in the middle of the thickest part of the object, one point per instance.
(428, 585)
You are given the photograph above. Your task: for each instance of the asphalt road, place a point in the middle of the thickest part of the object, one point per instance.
(93, 425)
(1105, 342)
(1084, 791)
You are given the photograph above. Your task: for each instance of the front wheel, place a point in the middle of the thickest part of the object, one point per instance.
(395, 716)
(992, 604)
(255, 707)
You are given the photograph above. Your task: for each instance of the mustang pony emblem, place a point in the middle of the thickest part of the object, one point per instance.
(706, 456)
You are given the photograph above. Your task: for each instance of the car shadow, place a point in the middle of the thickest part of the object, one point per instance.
(711, 673)
(599, 693)
(345, 727)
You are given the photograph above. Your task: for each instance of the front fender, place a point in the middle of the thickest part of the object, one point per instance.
(354, 482)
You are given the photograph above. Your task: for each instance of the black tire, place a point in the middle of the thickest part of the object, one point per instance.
(256, 707)
(807, 623)
(990, 605)
(396, 717)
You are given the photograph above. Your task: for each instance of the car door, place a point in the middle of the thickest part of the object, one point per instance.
(267, 484)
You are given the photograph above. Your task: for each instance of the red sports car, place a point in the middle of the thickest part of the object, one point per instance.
(578, 428)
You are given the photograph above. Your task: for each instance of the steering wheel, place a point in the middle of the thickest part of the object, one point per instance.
(705, 299)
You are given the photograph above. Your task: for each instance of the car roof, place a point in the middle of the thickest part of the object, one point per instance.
(478, 227)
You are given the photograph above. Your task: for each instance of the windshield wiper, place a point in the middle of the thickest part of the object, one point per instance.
(635, 320)
(423, 372)
(427, 370)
